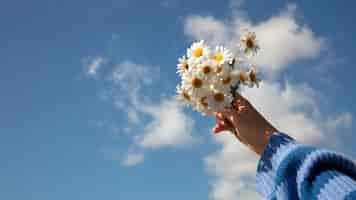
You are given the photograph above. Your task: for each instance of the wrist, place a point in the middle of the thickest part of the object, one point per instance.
(265, 136)
(257, 132)
(258, 141)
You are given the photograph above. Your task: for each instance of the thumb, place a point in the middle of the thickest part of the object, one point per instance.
(221, 125)
(218, 128)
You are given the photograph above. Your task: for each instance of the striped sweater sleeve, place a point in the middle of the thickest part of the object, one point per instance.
(288, 170)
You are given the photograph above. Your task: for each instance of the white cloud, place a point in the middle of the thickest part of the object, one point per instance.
(290, 107)
(93, 64)
(206, 28)
(129, 78)
(336, 133)
(169, 126)
(230, 165)
(282, 39)
(130, 75)
(342, 120)
(132, 159)
(156, 124)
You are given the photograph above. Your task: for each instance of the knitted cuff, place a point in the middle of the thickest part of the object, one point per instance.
(280, 145)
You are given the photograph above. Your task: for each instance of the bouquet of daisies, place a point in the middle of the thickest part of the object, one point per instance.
(210, 76)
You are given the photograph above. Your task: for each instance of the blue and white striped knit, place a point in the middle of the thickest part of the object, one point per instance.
(288, 170)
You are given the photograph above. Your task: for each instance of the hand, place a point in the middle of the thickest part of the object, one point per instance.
(246, 123)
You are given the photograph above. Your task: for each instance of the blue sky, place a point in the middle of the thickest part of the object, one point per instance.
(70, 134)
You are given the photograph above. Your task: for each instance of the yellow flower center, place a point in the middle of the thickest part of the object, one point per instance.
(249, 43)
(242, 77)
(253, 76)
(219, 57)
(198, 52)
(219, 97)
(206, 69)
(226, 80)
(197, 83)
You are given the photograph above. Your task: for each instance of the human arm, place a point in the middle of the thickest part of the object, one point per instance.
(246, 123)
(288, 170)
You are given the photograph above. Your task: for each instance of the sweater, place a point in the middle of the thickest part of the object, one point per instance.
(291, 171)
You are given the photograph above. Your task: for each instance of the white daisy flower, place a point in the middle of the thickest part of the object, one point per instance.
(219, 101)
(207, 77)
(219, 87)
(198, 51)
(253, 77)
(206, 69)
(223, 70)
(182, 66)
(242, 77)
(249, 44)
(223, 84)
(222, 55)
(183, 96)
(195, 85)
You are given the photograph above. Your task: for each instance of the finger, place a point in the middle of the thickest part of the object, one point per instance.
(216, 129)
(237, 109)
(222, 125)
(242, 109)
(232, 115)
(237, 101)
(219, 128)
(228, 112)
(224, 119)
(239, 104)
(219, 115)
(219, 120)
